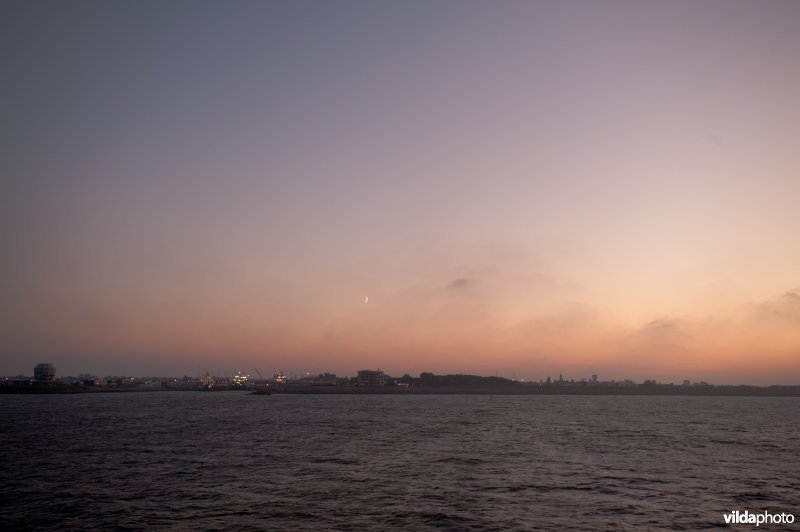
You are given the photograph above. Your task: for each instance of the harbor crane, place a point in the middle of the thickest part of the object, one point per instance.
(262, 388)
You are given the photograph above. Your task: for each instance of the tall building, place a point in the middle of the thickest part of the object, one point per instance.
(44, 373)
(367, 377)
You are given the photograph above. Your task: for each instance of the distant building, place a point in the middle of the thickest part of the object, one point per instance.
(594, 379)
(44, 373)
(239, 380)
(367, 377)
(325, 379)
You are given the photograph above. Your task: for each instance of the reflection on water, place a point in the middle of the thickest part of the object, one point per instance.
(233, 461)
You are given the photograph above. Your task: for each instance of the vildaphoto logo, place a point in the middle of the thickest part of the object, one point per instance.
(757, 518)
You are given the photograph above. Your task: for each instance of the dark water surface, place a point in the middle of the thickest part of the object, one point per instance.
(230, 461)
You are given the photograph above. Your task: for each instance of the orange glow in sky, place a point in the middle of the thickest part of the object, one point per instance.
(520, 189)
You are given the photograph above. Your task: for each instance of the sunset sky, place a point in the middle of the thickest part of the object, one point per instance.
(519, 188)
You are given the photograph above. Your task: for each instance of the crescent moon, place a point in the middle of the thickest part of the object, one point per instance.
(366, 299)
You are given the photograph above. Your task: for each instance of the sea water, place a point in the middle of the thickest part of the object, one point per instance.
(232, 461)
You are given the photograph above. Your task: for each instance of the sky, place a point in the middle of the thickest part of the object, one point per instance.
(519, 188)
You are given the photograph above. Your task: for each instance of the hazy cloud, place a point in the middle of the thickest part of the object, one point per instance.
(664, 329)
(785, 308)
(568, 319)
(461, 283)
(661, 337)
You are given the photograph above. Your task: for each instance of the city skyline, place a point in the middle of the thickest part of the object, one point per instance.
(528, 189)
(46, 379)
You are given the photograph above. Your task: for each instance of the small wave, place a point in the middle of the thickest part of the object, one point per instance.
(756, 496)
(340, 461)
(460, 461)
(541, 488)
(625, 509)
(434, 519)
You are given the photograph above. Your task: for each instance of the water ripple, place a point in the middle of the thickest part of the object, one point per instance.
(222, 461)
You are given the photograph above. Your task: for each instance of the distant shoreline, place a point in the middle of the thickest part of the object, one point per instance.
(656, 389)
(516, 389)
